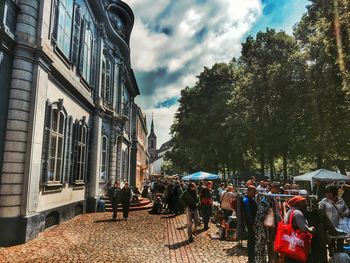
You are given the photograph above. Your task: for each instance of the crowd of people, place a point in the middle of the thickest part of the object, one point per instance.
(258, 206)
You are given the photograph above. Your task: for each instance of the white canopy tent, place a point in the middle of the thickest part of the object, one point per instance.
(321, 175)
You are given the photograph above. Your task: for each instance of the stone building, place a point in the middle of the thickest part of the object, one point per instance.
(66, 106)
(156, 159)
(152, 144)
(140, 157)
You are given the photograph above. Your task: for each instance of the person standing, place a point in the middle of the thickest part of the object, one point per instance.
(115, 198)
(228, 202)
(298, 206)
(220, 191)
(126, 198)
(207, 203)
(335, 208)
(249, 211)
(190, 199)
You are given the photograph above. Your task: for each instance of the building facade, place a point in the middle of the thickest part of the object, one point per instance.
(65, 122)
(155, 167)
(140, 158)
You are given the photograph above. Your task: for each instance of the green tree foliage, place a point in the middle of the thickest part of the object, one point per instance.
(282, 105)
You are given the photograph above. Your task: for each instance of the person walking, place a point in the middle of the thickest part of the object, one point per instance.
(115, 198)
(126, 198)
(190, 199)
(249, 210)
(206, 196)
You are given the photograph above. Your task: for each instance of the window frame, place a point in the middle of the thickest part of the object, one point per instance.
(62, 34)
(52, 133)
(81, 152)
(104, 152)
(107, 74)
(87, 43)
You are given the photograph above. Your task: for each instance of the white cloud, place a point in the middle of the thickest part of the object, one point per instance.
(201, 34)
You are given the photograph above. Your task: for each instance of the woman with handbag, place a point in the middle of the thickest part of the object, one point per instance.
(298, 205)
(336, 210)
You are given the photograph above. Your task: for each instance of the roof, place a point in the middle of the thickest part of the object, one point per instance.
(322, 175)
(165, 146)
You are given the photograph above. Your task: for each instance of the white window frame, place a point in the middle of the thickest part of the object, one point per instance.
(55, 159)
(105, 164)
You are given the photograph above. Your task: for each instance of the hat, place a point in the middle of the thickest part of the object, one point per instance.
(296, 200)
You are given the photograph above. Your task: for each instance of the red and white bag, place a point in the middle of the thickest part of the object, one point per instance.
(292, 243)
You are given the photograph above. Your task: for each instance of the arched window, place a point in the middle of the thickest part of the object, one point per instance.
(56, 131)
(104, 158)
(80, 151)
(106, 81)
(62, 31)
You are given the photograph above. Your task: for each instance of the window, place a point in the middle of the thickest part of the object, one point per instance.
(56, 146)
(106, 81)
(125, 102)
(87, 53)
(63, 25)
(104, 158)
(81, 151)
(125, 164)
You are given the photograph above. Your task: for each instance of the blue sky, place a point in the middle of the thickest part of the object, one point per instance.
(173, 40)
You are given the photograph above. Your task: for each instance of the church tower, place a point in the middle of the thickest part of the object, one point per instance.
(152, 143)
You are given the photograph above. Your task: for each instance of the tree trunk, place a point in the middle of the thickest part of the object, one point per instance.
(285, 165)
(262, 165)
(319, 161)
(271, 168)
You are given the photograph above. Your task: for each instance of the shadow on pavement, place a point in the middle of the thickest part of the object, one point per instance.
(106, 220)
(181, 227)
(236, 250)
(168, 216)
(178, 245)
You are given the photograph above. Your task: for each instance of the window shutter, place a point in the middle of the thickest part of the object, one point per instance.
(68, 153)
(56, 15)
(75, 129)
(76, 34)
(46, 142)
(82, 41)
(87, 150)
(94, 62)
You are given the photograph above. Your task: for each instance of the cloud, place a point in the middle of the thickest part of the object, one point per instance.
(173, 40)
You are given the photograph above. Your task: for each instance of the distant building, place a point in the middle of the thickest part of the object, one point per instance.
(139, 154)
(152, 144)
(67, 90)
(156, 155)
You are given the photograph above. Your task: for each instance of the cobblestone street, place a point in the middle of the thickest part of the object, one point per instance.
(143, 238)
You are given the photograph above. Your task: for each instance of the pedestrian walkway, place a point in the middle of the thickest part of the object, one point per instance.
(143, 238)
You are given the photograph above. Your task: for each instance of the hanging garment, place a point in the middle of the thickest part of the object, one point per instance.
(260, 236)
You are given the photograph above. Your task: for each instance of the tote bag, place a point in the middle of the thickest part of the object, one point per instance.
(292, 243)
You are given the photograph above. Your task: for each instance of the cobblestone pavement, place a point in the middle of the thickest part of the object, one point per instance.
(143, 238)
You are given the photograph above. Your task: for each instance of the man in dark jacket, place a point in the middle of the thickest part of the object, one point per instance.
(126, 198)
(207, 203)
(190, 199)
(249, 211)
(115, 198)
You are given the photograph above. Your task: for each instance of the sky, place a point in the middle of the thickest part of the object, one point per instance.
(172, 40)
